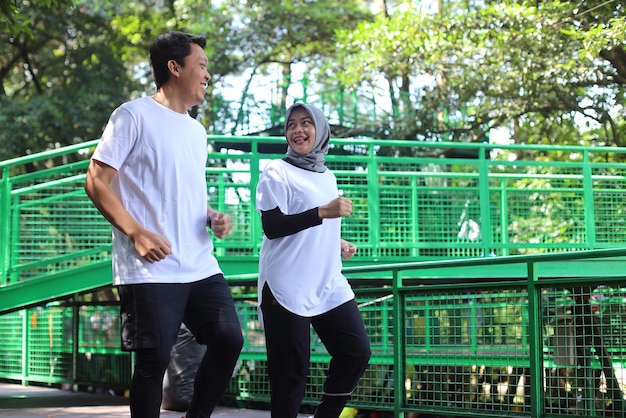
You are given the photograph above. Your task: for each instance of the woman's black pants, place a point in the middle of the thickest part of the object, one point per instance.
(288, 342)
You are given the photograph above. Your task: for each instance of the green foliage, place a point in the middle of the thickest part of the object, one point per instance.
(292, 31)
(13, 17)
(494, 64)
(538, 71)
(60, 85)
(77, 62)
(270, 36)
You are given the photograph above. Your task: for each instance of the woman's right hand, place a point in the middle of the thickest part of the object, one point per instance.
(336, 208)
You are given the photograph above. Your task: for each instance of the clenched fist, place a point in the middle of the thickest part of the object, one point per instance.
(336, 208)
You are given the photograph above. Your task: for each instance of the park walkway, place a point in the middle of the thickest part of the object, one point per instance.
(17, 401)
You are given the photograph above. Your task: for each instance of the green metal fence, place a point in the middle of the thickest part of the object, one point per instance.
(528, 336)
(478, 320)
(411, 203)
(533, 336)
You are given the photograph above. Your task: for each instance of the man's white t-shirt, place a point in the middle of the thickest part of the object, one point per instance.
(160, 157)
(303, 270)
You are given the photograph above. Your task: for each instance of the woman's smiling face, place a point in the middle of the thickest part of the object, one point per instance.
(300, 131)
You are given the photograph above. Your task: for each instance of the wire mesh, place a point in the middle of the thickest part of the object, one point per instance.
(50, 343)
(464, 350)
(584, 336)
(12, 331)
(467, 350)
(418, 203)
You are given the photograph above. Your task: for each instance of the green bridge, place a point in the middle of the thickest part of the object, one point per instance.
(490, 277)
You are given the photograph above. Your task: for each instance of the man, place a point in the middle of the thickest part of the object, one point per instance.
(147, 178)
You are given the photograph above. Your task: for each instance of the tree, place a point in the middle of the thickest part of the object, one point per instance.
(60, 80)
(502, 65)
(58, 85)
(13, 19)
(278, 34)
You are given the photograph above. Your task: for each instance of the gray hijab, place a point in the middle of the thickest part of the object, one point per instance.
(314, 160)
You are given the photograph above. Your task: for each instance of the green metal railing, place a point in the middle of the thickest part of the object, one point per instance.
(529, 336)
(468, 306)
(508, 200)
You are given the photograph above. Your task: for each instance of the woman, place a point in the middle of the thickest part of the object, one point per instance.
(300, 279)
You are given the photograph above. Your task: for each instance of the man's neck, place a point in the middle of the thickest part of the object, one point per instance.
(163, 97)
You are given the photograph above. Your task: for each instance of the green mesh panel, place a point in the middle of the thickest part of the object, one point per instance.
(12, 332)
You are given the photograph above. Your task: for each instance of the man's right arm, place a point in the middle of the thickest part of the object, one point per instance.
(152, 247)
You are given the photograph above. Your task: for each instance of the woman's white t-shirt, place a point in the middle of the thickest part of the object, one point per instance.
(303, 270)
(160, 157)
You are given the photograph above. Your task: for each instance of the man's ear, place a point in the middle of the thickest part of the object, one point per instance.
(174, 67)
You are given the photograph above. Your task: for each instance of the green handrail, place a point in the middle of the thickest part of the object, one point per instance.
(412, 202)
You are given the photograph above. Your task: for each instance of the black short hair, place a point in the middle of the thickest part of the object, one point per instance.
(171, 46)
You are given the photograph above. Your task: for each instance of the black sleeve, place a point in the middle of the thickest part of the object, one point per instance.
(276, 224)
